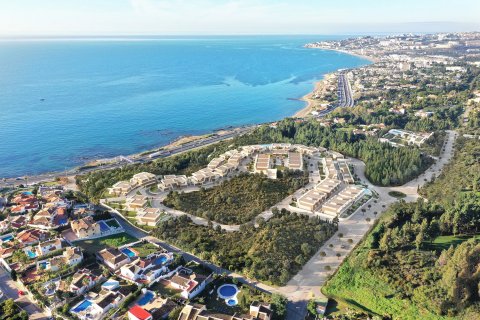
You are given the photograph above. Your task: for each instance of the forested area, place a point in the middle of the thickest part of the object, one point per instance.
(272, 252)
(423, 257)
(385, 165)
(240, 199)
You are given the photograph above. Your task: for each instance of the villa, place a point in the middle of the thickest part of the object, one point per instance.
(204, 176)
(258, 311)
(4, 225)
(121, 188)
(113, 258)
(32, 236)
(148, 216)
(47, 247)
(143, 179)
(84, 280)
(158, 308)
(147, 269)
(18, 222)
(136, 202)
(95, 306)
(138, 313)
(72, 256)
(216, 162)
(190, 283)
(85, 228)
(50, 217)
(171, 182)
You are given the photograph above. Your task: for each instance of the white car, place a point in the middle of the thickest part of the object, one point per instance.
(1, 294)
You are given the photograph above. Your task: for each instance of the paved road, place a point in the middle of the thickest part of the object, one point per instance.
(313, 274)
(10, 290)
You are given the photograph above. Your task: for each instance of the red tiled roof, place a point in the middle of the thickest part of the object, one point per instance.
(140, 313)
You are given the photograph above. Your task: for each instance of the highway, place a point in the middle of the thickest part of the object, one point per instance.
(345, 95)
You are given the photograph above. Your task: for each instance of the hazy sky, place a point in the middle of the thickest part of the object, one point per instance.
(129, 17)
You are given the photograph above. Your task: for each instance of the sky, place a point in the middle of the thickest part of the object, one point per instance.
(221, 17)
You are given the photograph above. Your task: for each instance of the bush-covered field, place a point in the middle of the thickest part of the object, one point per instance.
(112, 241)
(273, 252)
(240, 199)
(421, 260)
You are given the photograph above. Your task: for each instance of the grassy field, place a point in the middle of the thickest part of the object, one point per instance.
(356, 287)
(113, 241)
(444, 242)
(145, 249)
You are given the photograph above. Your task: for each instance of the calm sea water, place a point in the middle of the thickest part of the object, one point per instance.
(65, 102)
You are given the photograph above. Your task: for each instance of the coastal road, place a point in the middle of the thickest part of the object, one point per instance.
(345, 95)
(11, 182)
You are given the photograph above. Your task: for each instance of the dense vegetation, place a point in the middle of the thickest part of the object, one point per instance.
(273, 252)
(385, 165)
(94, 184)
(422, 259)
(240, 199)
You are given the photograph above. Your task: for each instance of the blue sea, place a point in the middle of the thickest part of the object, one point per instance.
(64, 102)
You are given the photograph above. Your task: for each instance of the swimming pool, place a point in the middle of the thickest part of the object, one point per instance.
(147, 297)
(103, 226)
(227, 291)
(128, 252)
(160, 260)
(31, 254)
(82, 306)
(232, 302)
(43, 264)
(7, 238)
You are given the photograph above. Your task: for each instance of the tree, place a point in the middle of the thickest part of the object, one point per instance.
(419, 240)
(312, 307)
(175, 313)
(338, 255)
(9, 308)
(279, 306)
(13, 274)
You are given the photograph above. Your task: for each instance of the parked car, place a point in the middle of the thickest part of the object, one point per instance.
(21, 293)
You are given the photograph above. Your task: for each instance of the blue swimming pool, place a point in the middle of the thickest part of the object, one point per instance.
(147, 297)
(82, 306)
(103, 226)
(231, 302)
(227, 291)
(128, 252)
(27, 193)
(7, 238)
(43, 264)
(31, 254)
(161, 260)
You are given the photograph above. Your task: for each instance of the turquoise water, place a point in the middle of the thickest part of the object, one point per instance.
(65, 102)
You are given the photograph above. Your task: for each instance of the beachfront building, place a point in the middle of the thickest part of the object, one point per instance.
(121, 188)
(86, 228)
(149, 216)
(342, 201)
(172, 182)
(312, 200)
(143, 179)
(112, 258)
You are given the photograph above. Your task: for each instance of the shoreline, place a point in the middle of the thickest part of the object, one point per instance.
(97, 164)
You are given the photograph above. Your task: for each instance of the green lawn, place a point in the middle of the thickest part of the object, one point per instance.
(444, 242)
(113, 241)
(144, 249)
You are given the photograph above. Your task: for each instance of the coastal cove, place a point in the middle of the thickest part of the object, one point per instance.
(67, 102)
